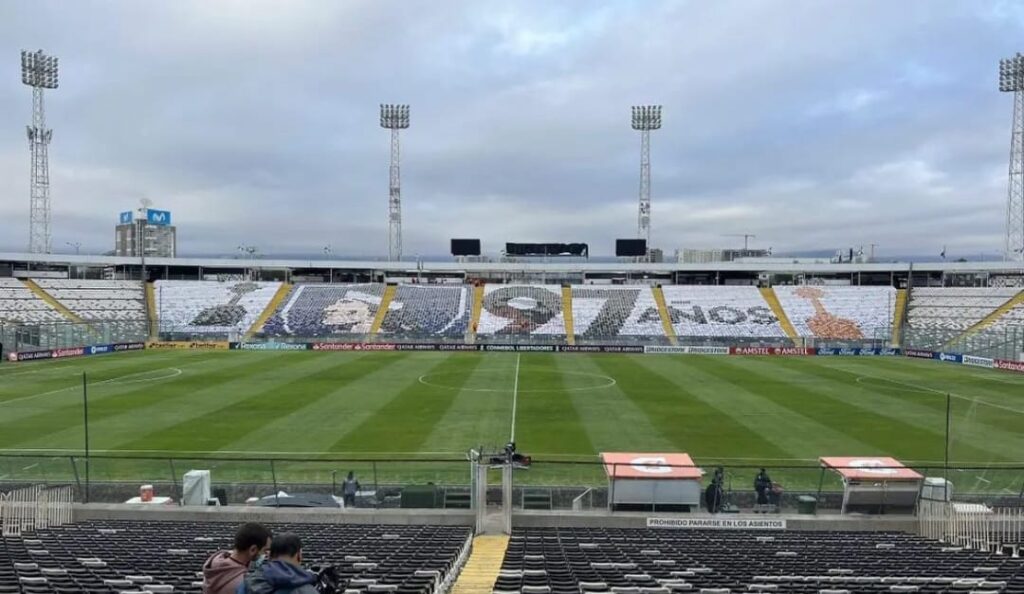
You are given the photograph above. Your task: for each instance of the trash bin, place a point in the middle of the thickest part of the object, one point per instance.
(805, 504)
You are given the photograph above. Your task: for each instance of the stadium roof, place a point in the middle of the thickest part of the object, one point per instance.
(512, 267)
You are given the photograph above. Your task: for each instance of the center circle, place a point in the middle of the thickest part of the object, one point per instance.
(601, 382)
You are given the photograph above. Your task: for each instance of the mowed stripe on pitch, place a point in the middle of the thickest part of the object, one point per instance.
(55, 420)
(794, 384)
(406, 420)
(482, 409)
(611, 417)
(248, 407)
(26, 387)
(546, 418)
(318, 426)
(925, 413)
(726, 387)
(693, 414)
(134, 416)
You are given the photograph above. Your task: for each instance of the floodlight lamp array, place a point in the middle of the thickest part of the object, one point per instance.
(394, 116)
(646, 117)
(1011, 74)
(39, 70)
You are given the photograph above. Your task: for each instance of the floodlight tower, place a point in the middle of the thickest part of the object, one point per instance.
(39, 71)
(645, 119)
(394, 118)
(1011, 80)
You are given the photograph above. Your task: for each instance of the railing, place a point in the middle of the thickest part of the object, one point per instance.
(384, 481)
(34, 508)
(60, 335)
(974, 526)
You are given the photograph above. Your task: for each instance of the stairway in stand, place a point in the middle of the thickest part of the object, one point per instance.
(481, 570)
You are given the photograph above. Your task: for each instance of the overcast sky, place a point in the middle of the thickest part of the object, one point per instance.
(812, 124)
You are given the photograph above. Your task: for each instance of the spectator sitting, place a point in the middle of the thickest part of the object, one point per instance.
(283, 572)
(224, 570)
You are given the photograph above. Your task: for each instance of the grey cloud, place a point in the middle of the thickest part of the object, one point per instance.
(814, 125)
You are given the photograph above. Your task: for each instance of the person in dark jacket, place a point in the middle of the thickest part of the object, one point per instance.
(283, 573)
(762, 485)
(713, 495)
(224, 570)
(349, 488)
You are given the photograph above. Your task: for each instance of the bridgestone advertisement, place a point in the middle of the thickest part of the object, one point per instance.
(979, 361)
(686, 350)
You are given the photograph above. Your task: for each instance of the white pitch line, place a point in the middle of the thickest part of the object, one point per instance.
(515, 398)
(925, 389)
(120, 379)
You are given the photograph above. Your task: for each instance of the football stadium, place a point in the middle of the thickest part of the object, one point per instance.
(518, 417)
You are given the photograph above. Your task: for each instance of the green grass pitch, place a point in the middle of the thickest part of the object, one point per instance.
(386, 406)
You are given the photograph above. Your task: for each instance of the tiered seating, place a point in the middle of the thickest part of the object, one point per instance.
(325, 310)
(1011, 319)
(953, 308)
(521, 310)
(168, 556)
(720, 311)
(428, 310)
(648, 561)
(211, 307)
(610, 311)
(18, 304)
(98, 299)
(843, 312)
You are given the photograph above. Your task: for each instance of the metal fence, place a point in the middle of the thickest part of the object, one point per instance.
(60, 335)
(388, 482)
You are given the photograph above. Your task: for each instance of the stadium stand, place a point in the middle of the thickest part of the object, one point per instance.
(98, 299)
(954, 308)
(603, 312)
(661, 561)
(936, 315)
(211, 307)
(839, 312)
(521, 310)
(18, 304)
(720, 311)
(428, 310)
(1013, 318)
(136, 556)
(325, 310)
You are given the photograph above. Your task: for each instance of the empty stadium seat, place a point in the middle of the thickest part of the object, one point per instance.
(936, 315)
(19, 304)
(428, 310)
(612, 311)
(839, 312)
(326, 310)
(521, 310)
(720, 311)
(139, 556)
(106, 300)
(653, 561)
(211, 307)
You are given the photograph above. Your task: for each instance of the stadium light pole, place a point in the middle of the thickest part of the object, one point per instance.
(39, 71)
(394, 118)
(1011, 80)
(645, 118)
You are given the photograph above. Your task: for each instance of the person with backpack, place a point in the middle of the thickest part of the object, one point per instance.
(224, 570)
(283, 572)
